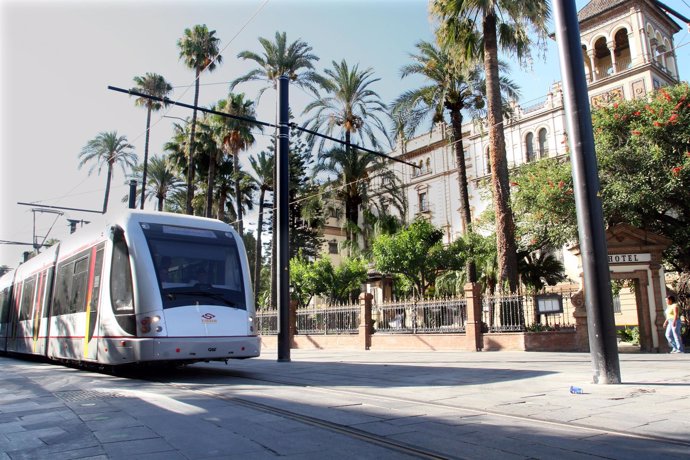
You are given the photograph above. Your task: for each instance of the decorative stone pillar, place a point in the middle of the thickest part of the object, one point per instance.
(580, 315)
(293, 323)
(365, 323)
(473, 327)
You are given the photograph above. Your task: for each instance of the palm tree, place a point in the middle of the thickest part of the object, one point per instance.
(108, 149)
(477, 27)
(451, 87)
(235, 136)
(199, 49)
(153, 85)
(353, 171)
(162, 180)
(262, 165)
(208, 142)
(294, 60)
(350, 107)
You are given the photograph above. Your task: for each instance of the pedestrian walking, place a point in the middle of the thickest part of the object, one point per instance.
(673, 324)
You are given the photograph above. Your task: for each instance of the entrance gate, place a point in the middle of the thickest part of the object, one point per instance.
(635, 254)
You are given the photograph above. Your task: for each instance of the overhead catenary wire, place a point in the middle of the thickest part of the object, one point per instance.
(254, 121)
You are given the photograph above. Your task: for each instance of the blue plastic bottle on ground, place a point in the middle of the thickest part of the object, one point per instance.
(576, 390)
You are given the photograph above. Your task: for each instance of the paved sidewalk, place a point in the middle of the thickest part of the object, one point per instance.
(337, 404)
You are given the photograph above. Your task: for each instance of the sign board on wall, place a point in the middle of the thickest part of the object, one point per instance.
(629, 258)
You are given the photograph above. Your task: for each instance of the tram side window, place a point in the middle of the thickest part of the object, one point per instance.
(27, 299)
(121, 279)
(121, 296)
(5, 305)
(63, 289)
(79, 285)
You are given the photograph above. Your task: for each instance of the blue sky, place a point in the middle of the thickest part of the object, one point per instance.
(58, 57)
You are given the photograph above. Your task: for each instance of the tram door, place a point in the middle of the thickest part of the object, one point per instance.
(75, 306)
(5, 307)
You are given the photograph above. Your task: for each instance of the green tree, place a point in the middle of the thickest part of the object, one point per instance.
(416, 252)
(155, 85)
(339, 284)
(199, 50)
(108, 149)
(479, 28)
(643, 155)
(453, 86)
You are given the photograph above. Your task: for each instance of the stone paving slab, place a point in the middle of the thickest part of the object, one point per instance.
(464, 405)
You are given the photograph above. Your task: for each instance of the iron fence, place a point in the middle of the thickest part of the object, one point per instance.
(267, 321)
(328, 319)
(516, 313)
(421, 316)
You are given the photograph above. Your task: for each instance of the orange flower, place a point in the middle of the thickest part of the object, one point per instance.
(674, 118)
(637, 113)
(657, 124)
(676, 171)
(636, 132)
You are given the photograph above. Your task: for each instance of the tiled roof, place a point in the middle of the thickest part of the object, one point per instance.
(596, 7)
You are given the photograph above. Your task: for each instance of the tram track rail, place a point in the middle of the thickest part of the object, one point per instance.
(392, 444)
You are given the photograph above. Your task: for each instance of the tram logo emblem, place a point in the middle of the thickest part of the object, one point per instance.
(208, 318)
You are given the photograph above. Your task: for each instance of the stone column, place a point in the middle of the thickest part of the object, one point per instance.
(592, 64)
(473, 328)
(365, 328)
(612, 51)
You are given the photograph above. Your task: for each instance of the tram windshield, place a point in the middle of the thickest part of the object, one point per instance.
(196, 266)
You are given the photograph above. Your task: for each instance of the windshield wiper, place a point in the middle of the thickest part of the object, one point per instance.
(203, 293)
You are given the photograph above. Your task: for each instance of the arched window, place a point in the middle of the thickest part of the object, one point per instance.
(529, 147)
(543, 148)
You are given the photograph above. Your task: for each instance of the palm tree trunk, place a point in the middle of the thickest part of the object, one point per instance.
(209, 185)
(107, 186)
(146, 157)
(257, 256)
(161, 198)
(238, 196)
(222, 198)
(505, 229)
(190, 160)
(465, 213)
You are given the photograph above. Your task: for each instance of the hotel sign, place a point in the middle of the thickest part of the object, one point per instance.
(629, 258)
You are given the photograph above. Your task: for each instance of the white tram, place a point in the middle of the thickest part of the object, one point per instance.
(149, 287)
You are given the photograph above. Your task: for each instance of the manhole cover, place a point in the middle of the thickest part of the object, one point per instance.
(85, 395)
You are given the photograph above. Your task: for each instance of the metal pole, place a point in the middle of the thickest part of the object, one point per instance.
(132, 194)
(283, 249)
(590, 218)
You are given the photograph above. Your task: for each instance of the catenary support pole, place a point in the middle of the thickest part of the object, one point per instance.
(283, 250)
(590, 218)
(132, 194)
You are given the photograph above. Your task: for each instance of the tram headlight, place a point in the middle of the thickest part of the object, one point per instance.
(148, 323)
